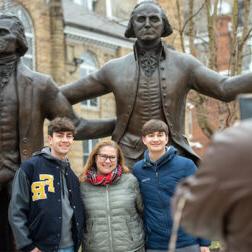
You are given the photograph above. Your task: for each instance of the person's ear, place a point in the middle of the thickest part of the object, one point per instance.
(143, 140)
(167, 139)
(49, 139)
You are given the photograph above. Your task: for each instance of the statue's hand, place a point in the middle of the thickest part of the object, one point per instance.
(5, 176)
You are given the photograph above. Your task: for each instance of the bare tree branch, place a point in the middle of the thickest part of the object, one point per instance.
(192, 16)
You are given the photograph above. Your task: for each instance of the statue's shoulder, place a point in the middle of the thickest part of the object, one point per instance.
(181, 58)
(31, 74)
(177, 54)
(121, 60)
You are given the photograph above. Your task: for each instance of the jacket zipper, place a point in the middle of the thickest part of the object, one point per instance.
(109, 219)
(162, 203)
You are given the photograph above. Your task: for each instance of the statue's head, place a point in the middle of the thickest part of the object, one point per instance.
(148, 17)
(12, 35)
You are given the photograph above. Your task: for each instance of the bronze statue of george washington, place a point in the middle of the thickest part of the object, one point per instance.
(152, 82)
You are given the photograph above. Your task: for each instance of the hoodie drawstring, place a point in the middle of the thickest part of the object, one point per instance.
(62, 183)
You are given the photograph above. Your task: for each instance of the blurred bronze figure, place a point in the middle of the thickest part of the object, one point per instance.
(26, 99)
(218, 199)
(152, 83)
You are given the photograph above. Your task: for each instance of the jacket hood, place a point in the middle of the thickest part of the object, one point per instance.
(46, 153)
(169, 154)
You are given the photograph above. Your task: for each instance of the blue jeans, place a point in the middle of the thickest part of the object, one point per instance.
(193, 248)
(68, 249)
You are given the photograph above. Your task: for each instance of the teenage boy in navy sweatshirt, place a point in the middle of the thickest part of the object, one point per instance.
(45, 212)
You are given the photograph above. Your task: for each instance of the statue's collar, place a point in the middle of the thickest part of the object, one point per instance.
(7, 67)
(158, 51)
(9, 59)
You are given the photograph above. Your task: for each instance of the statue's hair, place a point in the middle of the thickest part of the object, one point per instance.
(17, 29)
(129, 33)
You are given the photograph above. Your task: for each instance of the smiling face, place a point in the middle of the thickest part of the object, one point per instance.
(156, 142)
(147, 23)
(106, 160)
(60, 143)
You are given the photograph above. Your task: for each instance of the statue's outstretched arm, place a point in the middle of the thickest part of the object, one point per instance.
(56, 104)
(216, 85)
(94, 85)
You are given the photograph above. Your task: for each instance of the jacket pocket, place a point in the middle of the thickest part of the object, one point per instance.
(35, 221)
(37, 228)
(135, 228)
(88, 233)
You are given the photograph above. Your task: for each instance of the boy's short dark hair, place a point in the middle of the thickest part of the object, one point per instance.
(60, 124)
(154, 125)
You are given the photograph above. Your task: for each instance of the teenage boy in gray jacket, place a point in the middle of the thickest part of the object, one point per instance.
(158, 174)
(46, 213)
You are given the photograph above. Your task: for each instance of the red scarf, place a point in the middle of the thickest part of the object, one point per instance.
(110, 178)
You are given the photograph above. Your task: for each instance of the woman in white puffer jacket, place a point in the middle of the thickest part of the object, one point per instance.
(112, 202)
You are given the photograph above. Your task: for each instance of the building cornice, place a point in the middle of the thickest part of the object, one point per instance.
(101, 39)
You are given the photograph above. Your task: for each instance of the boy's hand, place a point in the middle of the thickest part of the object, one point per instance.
(204, 249)
(36, 250)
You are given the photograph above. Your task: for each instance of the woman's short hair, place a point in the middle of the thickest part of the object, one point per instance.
(92, 158)
(130, 33)
(17, 29)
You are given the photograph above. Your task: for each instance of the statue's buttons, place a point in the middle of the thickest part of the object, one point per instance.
(25, 140)
(25, 152)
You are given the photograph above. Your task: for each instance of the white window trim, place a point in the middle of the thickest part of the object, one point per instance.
(109, 12)
(91, 144)
(28, 34)
(80, 2)
(109, 9)
(89, 68)
(91, 107)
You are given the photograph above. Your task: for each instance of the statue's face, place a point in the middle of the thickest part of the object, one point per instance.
(147, 23)
(8, 42)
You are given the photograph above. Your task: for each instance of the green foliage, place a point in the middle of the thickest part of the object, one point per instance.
(215, 245)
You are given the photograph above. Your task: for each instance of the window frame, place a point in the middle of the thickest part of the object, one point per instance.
(90, 145)
(89, 65)
(25, 18)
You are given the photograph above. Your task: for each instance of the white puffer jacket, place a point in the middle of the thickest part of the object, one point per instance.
(112, 213)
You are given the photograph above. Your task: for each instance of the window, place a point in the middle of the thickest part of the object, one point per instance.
(119, 10)
(89, 4)
(80, 2)
(88, 66)
(87, 146)
(247, 56)
(29, 58)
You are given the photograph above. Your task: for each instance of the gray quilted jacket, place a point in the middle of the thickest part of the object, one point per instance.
(112, 213)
